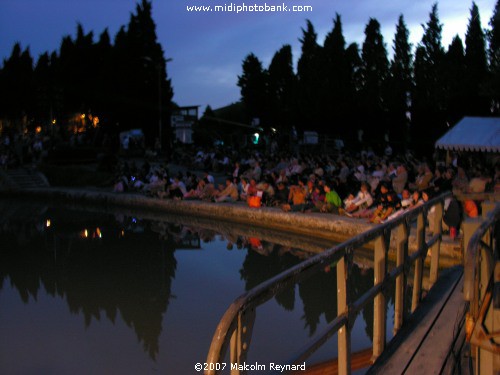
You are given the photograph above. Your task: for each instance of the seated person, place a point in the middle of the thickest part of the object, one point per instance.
(405, 203)
(196, 193)
(423, 179)
(332, 201)
(363, 199)
(229, 194)
(204, 190)
(416, 199)
(267, 190)
(296, 197)
(386, 205)
(349, 201)
(177, 189)
(244, 186)
(317, 195)
(156, 185)
(252, 188)
(280, 195)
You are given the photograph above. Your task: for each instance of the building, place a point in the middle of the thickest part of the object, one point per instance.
(182, 120)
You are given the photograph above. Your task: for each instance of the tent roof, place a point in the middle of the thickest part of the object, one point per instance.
(473, 134)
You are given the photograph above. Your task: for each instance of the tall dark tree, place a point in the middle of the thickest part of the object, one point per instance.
(400, 84)
(353, 103)
(456, 88)
(336, 84)
(16, 96)
(103, 87)
(477, 103)
(310, 77)
(253, 88)
(282, 87)
(149, 90)
(74, 74)
(374, 71)
(494, 57)
(44, 90)
(204, 130)
(124, 84)
(428, 99)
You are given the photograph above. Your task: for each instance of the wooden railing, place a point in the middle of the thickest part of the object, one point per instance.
(482, 291)
(235, 328)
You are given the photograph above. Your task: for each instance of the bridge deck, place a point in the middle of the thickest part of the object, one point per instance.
(425, 344)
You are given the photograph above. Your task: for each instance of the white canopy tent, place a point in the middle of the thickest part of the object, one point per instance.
(472, 134)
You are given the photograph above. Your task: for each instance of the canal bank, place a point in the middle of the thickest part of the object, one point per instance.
(324, 226)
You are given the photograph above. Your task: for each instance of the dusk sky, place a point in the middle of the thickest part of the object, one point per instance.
(208, 48)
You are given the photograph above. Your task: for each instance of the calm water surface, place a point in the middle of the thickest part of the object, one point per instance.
(88, 292)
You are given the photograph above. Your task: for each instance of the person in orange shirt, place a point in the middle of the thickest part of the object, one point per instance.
(470, 208)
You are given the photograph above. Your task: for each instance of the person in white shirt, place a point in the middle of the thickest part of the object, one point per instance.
(209, 177)
(362, 200)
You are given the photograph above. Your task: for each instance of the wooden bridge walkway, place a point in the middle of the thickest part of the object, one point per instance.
(433, 339)
(431, 342)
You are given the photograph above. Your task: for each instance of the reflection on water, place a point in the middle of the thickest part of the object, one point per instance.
(166, 282)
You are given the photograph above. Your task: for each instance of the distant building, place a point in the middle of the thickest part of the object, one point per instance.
(182, 120)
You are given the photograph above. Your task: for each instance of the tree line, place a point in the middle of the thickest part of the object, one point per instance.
(357, 92)
(122, 82)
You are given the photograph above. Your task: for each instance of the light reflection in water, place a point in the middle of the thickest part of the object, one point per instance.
(73, 303)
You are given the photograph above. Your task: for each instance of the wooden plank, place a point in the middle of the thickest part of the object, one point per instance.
(405, 346)
(359, 360)
(433, 353)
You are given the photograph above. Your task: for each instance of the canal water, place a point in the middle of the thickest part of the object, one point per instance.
(82, 291)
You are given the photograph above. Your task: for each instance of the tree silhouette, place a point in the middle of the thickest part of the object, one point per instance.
(17, 86)
(374, 72)
(309, 75)
(282, 86)
(476, 66)
(400, 83)
(429, 92)
(253, 85)
(121, 84)
(337, 87)
(454, 76)
(494, 57)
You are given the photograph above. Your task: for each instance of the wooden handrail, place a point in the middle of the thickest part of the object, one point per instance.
(472, 253)
(235, 327)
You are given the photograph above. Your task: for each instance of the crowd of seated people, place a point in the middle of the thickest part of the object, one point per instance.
(363, 185)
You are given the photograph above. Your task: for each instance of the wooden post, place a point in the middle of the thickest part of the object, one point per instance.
(470, 225)
(487, 207)
(240, 339)
(419, 263)
(401, 259)
(435, 249)
(344, 335)
(379, 318)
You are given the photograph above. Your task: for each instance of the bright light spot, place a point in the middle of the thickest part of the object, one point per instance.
(255, 139)
(53, 121)
(86, 233)
(98, 232)
(82, 116)
(47, 223)
(38, 129)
